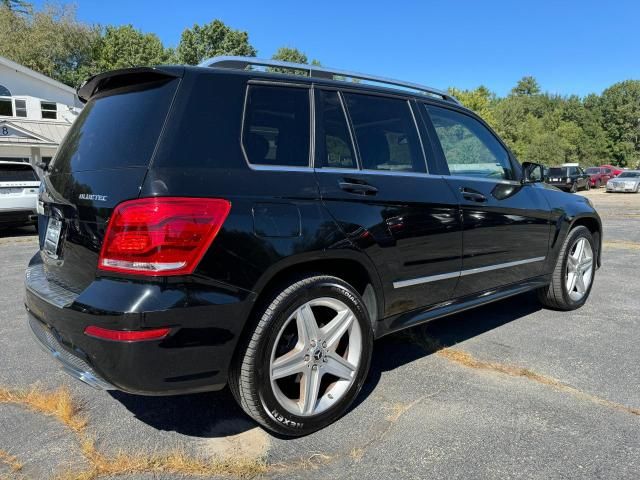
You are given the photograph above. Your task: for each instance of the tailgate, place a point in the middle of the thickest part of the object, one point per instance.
(102, 161)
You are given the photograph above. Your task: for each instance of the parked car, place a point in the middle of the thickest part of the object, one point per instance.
(599, 176)
(214, 235)
(18, 194)
(627, 181)
(615, 171)
(571, 178)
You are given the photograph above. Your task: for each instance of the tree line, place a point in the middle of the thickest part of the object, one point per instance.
(538, 126)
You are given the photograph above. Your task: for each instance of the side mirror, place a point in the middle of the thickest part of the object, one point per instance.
(532, 172)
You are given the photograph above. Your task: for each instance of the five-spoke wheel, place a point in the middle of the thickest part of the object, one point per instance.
(307, 357)
(314, 374)
(579, 269)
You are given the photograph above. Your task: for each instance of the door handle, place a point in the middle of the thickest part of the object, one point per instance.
(472, 195)
(357, 188)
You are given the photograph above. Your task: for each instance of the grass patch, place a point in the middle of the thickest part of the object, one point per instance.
(467, 360)
(621, 244)
(54, 403)
(176, 462)
(10, 461)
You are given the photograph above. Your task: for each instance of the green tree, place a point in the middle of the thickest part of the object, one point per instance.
(526, 86)
(210, 40)
(620, 106)
(50, 41)
(480, 100)
(125, 46)
(293, 55)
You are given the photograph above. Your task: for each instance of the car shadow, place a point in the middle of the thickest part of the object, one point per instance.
(406, 346)
(216, 414)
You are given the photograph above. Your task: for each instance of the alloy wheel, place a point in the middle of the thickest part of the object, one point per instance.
(579, 269)
(315, 357)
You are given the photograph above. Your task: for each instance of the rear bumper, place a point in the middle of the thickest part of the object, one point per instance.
(26, 216)
(205, 324)
(562, 186)
(71, 362)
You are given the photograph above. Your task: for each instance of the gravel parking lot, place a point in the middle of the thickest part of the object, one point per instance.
(505, 391)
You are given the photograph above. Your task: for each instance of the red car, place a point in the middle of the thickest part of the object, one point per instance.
(599, 176)
(615, 171)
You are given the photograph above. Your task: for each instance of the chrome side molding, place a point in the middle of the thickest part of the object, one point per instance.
(462, 273)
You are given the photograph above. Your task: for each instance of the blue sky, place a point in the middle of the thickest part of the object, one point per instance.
(569, 46)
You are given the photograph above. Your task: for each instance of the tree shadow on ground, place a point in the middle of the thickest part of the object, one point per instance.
(216, 414)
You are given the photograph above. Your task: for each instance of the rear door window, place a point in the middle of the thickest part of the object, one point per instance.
(385, 133)
(334, 146)
(17, 173)
(276, 127)
(117, 129)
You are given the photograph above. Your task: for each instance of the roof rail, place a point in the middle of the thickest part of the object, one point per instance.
(241, 63)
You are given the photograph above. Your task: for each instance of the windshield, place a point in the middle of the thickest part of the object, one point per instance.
(557, 172)
(629, 175)
(593, 170)
(17, 173)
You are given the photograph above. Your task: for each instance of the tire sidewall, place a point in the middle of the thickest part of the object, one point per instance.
(281, 419)
(571, 240)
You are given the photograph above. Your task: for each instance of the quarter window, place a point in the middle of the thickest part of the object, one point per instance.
(334, 147)
(21, 108)
(276, 130)
(470, 149)
(4, 91)
(6, 107)
(385, 133)
(49, 110)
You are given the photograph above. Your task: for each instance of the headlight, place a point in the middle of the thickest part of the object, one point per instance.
(568, 180)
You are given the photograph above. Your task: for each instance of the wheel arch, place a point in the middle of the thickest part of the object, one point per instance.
(594, 225)
(352, 266)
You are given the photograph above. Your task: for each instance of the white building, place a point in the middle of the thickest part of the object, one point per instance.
(35, 113)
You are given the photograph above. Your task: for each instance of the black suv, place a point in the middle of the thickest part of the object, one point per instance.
(570, 178)
(217, 225)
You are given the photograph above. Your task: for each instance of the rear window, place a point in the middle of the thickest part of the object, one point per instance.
(117, 129)
(276, 129)
(17, 173)
(629, 175)
(557, 172)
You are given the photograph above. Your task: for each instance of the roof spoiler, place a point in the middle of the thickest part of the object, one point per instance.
(125, 76)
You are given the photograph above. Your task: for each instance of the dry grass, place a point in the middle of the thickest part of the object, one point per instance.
(54, 403)
(10, 461)
(176, 462)
(467, 360)
(356, 454)
(420, 337)
(621, 244)
(396, 410)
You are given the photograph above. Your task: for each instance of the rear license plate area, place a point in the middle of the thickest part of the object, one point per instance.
(52, 237)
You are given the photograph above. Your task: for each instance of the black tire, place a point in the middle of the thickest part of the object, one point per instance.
(249, 378)
(555, 295)
(574, 187)
(588, 186)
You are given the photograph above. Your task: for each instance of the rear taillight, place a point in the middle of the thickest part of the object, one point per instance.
(161, 235)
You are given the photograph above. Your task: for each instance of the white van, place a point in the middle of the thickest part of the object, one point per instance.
(18, 194)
